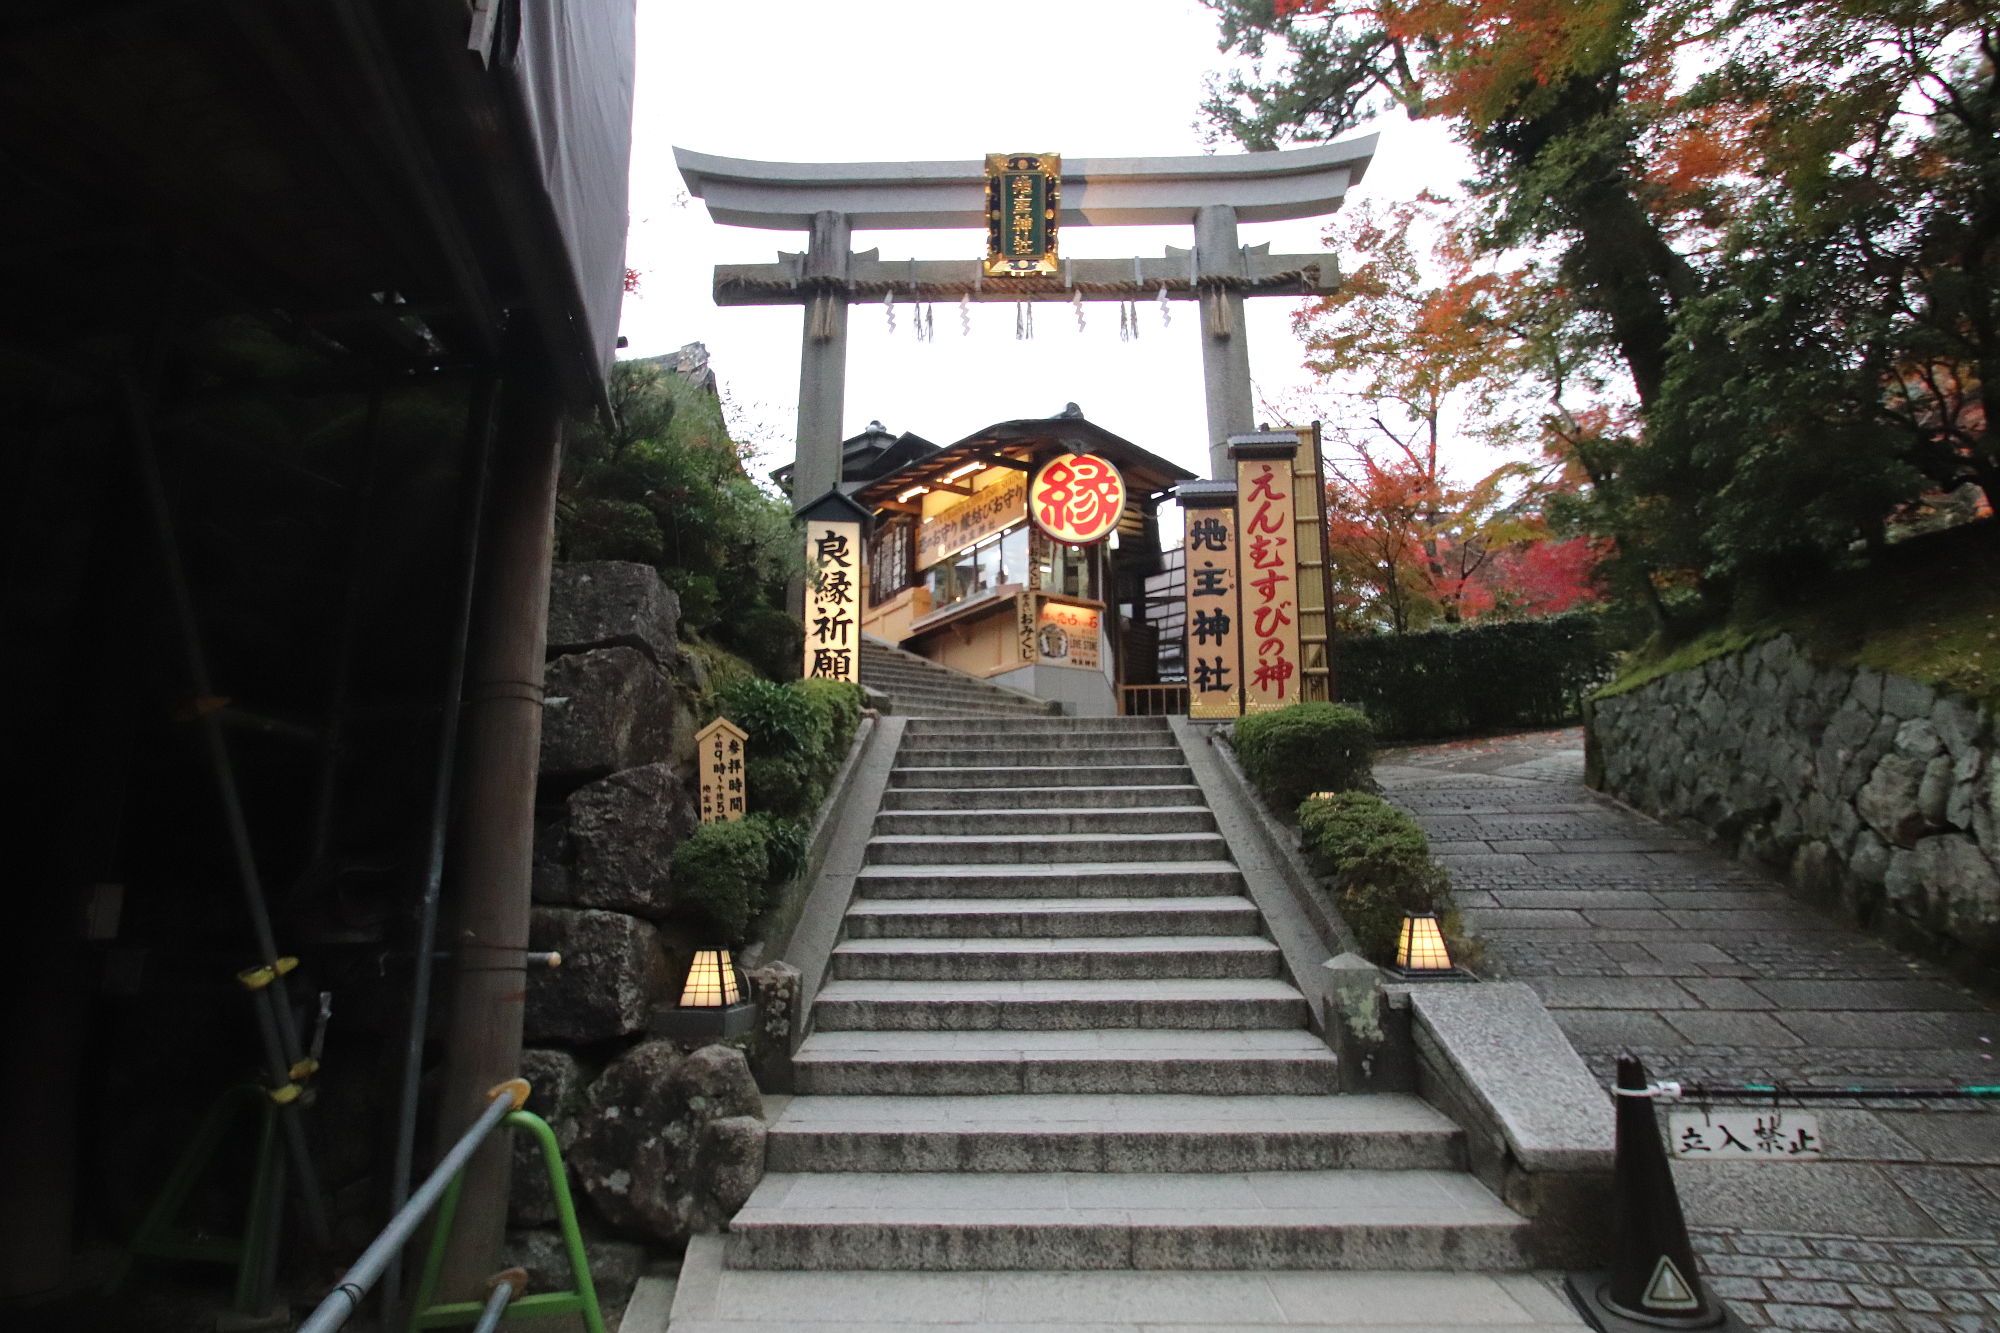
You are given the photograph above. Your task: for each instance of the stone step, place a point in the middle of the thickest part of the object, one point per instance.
(961, 1006)
(1040, 725)
(1175, 1133)
(1035, 822)
(1424, 1301)
(1073, 1220)
(1005, 706)
(1068, 959)
(1264, 1062)
(1036, 798)
(1121, 775)
(1082, 733)
(1102, 879)
(1055, 754)
(1063, 848)
(1049, 918)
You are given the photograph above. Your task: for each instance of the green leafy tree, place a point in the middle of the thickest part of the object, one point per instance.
(666, 486)
(1778, 221)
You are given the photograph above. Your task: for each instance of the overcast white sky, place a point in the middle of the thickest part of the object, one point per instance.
(809, 81)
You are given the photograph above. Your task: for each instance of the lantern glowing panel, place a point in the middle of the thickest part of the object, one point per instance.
(1421, 945)
(711, 981)
(1076, 498)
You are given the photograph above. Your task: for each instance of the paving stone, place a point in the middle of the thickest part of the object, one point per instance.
(1711, 1028)
(1815, 1317)
(1847, 995)
(1972, 1136)
(1797, 1291)
(1611, 993)
(1870, 1296)
(1896, 1030)
(1959, 1197)
(1615, 1029)
(1725, 993)
(1773, 990)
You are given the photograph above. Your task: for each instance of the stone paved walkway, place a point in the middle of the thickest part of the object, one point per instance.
(1639, 936)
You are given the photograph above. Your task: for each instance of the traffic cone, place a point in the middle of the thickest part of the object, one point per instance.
(1652, 1283)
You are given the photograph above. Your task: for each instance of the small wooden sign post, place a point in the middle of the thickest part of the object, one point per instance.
(719, 747)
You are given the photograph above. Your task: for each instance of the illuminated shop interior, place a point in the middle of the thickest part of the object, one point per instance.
(957, 572)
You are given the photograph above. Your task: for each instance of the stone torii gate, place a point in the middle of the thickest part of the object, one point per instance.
(830, 201)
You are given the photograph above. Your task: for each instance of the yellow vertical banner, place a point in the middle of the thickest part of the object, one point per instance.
(1213, 653)
(720, 755)
(1268, 571)
(833, 600)
(1315, 587)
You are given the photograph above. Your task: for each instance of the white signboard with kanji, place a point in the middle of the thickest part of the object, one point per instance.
(1739, 1135)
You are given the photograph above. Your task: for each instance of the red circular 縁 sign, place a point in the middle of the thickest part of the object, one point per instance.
(1076, 498)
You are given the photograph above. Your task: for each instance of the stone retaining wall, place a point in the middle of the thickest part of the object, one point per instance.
(1875, 793)
(660, 1142)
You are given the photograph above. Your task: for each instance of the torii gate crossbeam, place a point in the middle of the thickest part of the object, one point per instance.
(832, 200)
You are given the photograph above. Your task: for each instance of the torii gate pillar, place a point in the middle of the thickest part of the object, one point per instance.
(822, 359)
(1225, 351)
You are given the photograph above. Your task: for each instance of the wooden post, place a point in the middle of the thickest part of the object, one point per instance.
(503, 735)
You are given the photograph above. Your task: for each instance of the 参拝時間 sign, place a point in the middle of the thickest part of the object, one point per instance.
(833, 598)
(1213, 656)
(719, 754)
(1022, 205)
(1076, 498)
(1268, 576)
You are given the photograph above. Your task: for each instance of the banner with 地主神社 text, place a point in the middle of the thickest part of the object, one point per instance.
(1214, 650)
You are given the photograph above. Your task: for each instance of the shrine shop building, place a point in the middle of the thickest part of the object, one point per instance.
(963, 568)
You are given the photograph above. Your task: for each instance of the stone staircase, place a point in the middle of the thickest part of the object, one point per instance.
(923, 688)
(1053, 1045)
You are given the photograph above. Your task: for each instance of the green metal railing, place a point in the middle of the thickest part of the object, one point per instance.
(440, 1189)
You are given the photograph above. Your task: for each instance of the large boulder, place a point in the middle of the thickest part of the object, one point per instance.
(621, 834)
(1888, 802)
(557, 1082)
(615, 1265)
(610, 604)
(613, 971)
(671, 1144)
(603, 711)
(1962, 888)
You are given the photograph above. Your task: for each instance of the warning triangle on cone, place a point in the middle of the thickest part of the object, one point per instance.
(1653, 1283)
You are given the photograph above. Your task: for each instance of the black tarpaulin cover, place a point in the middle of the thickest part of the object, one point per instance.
(574, 66)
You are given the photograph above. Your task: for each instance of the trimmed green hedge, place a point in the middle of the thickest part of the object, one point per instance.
(798, 736)
(1383, 867)
(1290, 753)
(721, 871)
(1494, 676)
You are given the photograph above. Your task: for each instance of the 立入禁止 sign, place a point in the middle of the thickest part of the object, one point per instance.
(1746, 1135)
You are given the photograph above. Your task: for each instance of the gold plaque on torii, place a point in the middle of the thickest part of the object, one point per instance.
(1023, 203)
